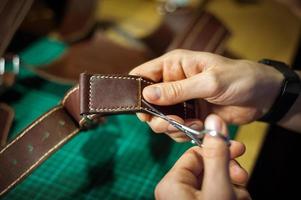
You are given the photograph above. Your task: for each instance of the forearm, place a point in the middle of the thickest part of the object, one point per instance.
(292, 119)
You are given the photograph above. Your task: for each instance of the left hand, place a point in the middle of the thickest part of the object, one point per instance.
(206, 173)
(235, 90)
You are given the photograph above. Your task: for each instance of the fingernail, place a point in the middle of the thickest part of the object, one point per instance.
(212, 124)
(152, 93)
(143, 117)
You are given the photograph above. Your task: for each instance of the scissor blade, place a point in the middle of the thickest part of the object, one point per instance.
(191, 133)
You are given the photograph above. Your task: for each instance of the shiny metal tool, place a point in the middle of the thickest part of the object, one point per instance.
(195, 136)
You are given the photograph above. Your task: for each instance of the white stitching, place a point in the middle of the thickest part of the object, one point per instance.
(68, 94)
(40, 160)
(120, 108)
(31, 126)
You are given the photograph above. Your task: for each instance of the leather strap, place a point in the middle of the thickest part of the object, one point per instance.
(6, 119)
(99, 95)
(79, 19)
(98, 54)
(37, 142)
(125, 96)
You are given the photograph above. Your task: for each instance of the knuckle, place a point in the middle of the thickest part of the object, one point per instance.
(174, 90)
(214, 82)
(214, 152)
(177, 52)
(156, 129)
(193, 150)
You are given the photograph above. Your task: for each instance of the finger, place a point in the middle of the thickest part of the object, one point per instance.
(216, 160)
(168, 93)
(144, 117)
(171, 66)
(239, 175)
(159, 125)
(236, 149)
(242, 193)
(178, 136)
(188, 168)
(172, 70)
(192, 123)
(182, 181)
(151, 69)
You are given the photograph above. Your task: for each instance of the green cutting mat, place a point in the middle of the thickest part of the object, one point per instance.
(120, 159)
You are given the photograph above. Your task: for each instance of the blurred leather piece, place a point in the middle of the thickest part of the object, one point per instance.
(79, 19)
(95, 55)
(40, 19)
(12, 14)
(188, 29)
(198, 31)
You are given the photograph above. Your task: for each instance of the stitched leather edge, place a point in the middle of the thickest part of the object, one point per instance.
(68, 94)
(30, 127)
(42, 157)
(119, 108)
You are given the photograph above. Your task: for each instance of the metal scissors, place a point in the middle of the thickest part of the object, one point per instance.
(195, 136)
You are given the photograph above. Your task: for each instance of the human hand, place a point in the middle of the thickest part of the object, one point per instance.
(207, 172)
(239, 91)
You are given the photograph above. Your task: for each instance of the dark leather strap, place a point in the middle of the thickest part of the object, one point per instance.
(6, 119)
(199, 31)
(99, 54)
(37, 142)
(34, 145)
(124, 96)
(79, 19)
(99, 95)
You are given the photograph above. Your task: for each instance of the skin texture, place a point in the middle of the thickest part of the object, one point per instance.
(239, 91)
(206, 173)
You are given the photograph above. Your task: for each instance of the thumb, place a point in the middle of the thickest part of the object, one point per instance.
(216, 157)
(168, 93)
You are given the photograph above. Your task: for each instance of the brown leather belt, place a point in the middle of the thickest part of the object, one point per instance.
(6, 119)
(96, 97)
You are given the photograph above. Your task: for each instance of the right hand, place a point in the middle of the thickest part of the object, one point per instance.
(239, 91)
(207, 172)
